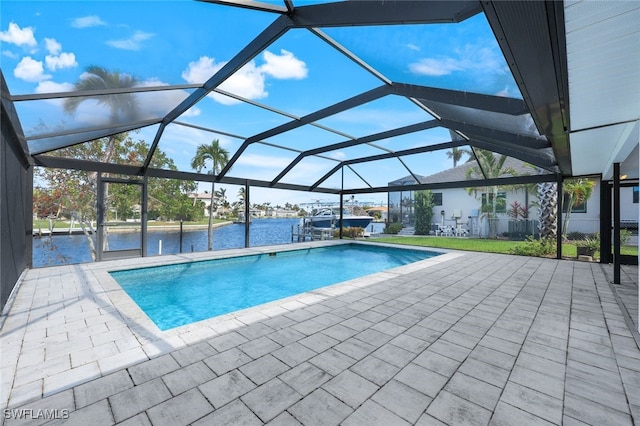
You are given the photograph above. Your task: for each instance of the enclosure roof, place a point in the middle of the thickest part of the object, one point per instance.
(336, 97)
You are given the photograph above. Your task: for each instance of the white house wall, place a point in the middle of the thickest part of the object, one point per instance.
(628, 209)
(459, 198)
(587, 223)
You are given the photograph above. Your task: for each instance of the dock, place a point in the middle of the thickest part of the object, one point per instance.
(301, 233)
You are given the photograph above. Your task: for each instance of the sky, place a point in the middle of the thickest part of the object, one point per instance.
(47, 47)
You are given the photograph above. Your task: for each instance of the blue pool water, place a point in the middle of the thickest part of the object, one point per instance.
(176, 295)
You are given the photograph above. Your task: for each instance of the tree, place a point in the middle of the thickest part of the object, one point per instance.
(547, 194)
(221, 197)
(242, 195)
(490, 166)
(122, 105)
(456, 154)
(76, 189)
(577, 191)
(424, 212)
(219, 157)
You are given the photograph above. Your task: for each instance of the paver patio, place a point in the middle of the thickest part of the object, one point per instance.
(462, 338)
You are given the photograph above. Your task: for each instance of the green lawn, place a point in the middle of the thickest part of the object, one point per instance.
(470, 244)
(487, 246)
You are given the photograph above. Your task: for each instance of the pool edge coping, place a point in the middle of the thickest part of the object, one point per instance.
(96, 286)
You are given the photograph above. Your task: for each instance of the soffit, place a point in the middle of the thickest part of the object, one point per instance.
(603, 61)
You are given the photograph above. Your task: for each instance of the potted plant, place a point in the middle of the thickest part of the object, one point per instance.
(588, 246)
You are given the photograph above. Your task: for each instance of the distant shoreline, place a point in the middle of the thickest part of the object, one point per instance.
(131, 228)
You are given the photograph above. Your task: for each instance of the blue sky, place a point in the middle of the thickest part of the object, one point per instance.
(46, 46)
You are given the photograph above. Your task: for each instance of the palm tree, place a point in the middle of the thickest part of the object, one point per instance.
(121, 106)
(456, 154)
(577, 191)
(242, 195)
(221, 195)
(219, 158)
(489, 166)
(547, 194)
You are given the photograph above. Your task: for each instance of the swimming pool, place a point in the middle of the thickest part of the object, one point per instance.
(175, 295)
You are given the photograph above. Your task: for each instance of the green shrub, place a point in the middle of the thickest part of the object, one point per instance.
(423, 204)
(542, 247)
(625, 237)
(589, 246)
(350, 232)
(393, 228)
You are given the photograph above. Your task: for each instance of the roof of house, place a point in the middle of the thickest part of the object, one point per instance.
(459, 173)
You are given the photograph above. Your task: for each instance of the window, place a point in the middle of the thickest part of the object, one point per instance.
(437, 198)
(635, 195)
(501, 204)
(577, 207)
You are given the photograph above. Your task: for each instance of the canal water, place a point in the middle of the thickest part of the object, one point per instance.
(71, 249)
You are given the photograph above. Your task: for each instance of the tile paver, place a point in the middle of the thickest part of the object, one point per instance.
(101, 388)
(452, 409)
(402, 400)
(543, 342)
(371, 413)
(234, 413)
(534, 402)
(264, 369)
(305, 378)
(270, 399)
(138, 399)
(188, 377)
(320, 408)
(350, 388)
(180, 410)
(226, 388)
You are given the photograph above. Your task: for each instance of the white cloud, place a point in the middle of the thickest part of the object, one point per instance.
(263, 161)
(158, 103)
(88, 21)
(504, 93)
(9, 54)
(338, 155)
(49, 86)
(90, 112)
(471, 57)
(249, 81)
(64, 60)
(194, 111)
(309, 171)
(18, 36)
(412, 46)
(200, 71)
(28, 69)
(53, 47)
(132, 43)
(283, 66)
(436, 67)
